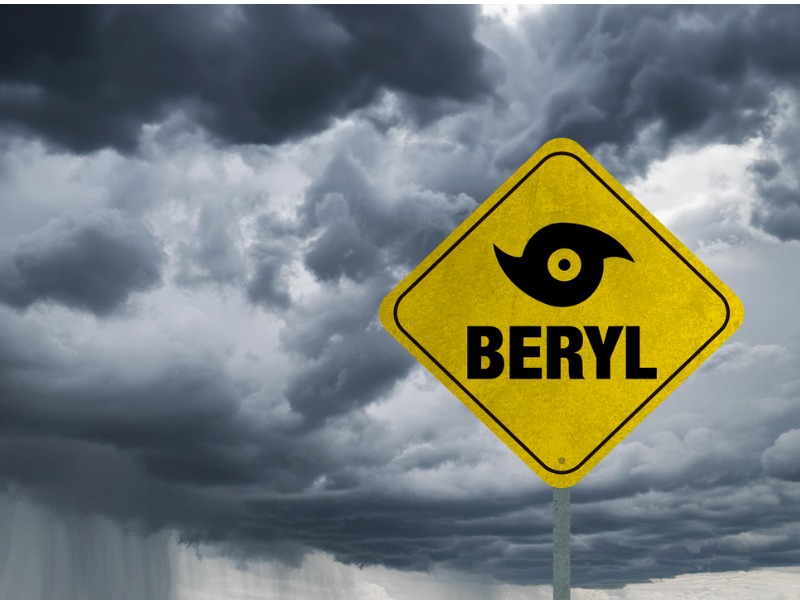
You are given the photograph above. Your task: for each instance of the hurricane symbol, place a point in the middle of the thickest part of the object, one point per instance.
(562, 264)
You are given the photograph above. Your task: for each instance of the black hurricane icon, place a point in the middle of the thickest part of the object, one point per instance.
(562, 263)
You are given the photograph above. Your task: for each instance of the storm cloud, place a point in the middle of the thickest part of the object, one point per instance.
(91, 77)
(204, 208)
(94, 265)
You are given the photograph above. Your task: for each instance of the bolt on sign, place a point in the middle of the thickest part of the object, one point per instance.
(561, 312)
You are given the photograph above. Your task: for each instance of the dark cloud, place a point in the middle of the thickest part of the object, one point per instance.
(211, 255)
(93, 265)
(362, 224)
(781, 217)
(780, 459)
(182, 410)
(341, 250)
(358, 226)
(96, 479)
(318, 439)
(91, 77)
(267, 285)
(168, 447)
(777, 181)
(348, 359)
(450, 534)
(630, 83)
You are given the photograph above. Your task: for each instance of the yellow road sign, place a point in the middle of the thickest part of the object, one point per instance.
(561, 312)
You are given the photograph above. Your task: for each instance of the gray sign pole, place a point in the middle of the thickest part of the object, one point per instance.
(561, 533)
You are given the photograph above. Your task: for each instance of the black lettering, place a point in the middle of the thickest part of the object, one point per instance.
(633, 352)
(555, 352)
(518, 352)
(476, 351)
(603, 348)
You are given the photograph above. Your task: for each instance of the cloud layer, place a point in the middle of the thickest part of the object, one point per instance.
(84, 78)
(93, 266)
(199, 229)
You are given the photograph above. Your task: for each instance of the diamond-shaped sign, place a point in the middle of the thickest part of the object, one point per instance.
(561, 312)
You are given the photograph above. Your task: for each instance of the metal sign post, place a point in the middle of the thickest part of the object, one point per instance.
(561, 542)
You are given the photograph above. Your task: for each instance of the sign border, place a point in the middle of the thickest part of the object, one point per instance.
(641, 406)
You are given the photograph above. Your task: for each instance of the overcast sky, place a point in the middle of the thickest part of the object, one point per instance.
(203, 207)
